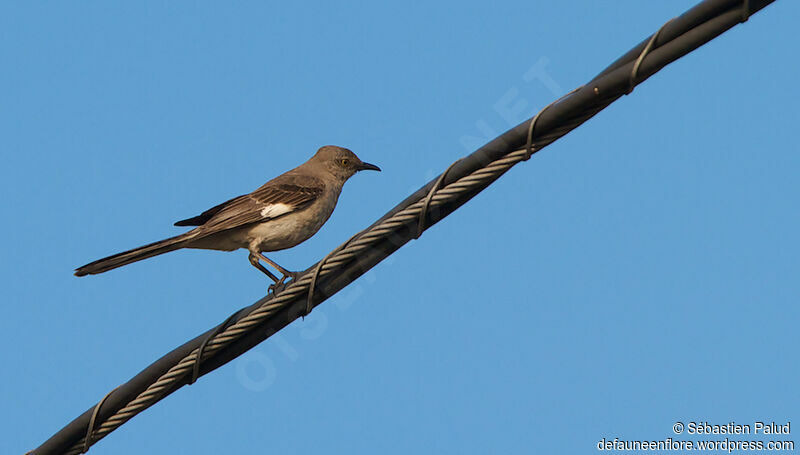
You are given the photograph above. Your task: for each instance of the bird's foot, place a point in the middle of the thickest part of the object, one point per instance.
(275, 288)
(280, 285)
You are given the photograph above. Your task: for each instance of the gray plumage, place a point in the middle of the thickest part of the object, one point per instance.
(282, 213)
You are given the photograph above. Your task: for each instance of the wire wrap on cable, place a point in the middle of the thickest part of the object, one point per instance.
(530, 145)
(202, 347)
(312, 286)
(87, 442)
(421, 226)
(649, 47)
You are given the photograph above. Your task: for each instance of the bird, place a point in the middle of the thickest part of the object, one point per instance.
(280, 214)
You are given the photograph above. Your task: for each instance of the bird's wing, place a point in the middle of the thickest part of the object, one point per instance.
(205, 216)
(276, 198)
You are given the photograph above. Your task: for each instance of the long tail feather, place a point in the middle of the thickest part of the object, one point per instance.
(136, 254)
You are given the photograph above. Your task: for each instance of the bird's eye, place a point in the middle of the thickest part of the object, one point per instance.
(344, 162)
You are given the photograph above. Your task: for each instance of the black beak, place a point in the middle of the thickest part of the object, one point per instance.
(368, 167)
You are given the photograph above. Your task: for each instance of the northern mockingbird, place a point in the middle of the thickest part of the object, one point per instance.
(284, 212)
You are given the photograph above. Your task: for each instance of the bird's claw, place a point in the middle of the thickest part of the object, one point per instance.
(280, 285)
(275, 288)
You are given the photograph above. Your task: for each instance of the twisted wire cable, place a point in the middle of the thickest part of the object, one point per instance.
(360, 242)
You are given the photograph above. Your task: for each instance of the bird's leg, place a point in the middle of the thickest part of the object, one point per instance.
(278, 283)
(284, 272)
(254, 261)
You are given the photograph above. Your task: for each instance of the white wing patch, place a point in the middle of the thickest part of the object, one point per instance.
(274, 210)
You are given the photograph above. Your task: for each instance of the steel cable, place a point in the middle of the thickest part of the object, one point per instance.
(186, 366)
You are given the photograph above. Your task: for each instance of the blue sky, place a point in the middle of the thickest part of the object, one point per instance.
(640, 271)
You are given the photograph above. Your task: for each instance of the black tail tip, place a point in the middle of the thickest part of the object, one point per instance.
(81, 272)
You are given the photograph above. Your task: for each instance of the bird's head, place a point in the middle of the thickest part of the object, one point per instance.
(341, 162)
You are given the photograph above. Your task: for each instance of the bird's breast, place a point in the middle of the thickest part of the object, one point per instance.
(293, 228)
